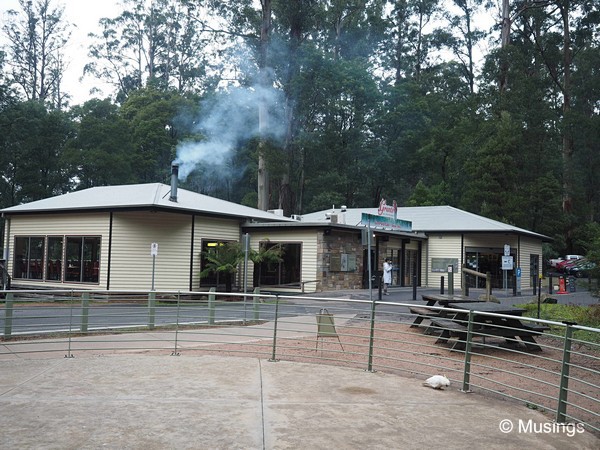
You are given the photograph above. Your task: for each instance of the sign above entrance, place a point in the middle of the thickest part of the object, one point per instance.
(386, 210)
(385, 222)
(386, 218)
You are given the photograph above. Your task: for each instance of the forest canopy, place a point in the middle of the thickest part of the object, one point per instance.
(489, 106)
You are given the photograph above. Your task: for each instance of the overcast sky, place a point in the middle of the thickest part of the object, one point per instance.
(84, 14)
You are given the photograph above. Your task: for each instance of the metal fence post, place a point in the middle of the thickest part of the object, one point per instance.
(69, 354)
(371, 338)
(273, 357)
(175, 352)
(561, 410)
(211, 306)
(255, 303)
(8, 315)
(151, 309)
(468, 347)
(85, 307)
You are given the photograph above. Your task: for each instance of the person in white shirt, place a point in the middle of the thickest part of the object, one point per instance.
(387, 275)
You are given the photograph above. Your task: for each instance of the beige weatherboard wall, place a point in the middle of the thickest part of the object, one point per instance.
(443, 250)
(131, 259)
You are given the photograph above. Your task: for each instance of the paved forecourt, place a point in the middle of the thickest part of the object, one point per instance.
(150, 401)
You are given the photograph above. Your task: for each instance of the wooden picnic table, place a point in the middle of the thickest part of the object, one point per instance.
(441, 300)
(510, 328)
(444, 300)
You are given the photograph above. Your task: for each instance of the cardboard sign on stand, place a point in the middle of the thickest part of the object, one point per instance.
(326, 328)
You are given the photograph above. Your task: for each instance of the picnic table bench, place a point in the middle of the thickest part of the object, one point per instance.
(431, 299)
(484, 325)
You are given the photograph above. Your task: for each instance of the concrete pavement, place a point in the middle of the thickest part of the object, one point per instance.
(211, 402)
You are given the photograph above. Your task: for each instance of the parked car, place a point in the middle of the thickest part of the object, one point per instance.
(582, 269)
(555, 261)
(563, 264)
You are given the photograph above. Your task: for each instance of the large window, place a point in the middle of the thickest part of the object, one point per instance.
(57, 258)
(54, 259)
(83, 259)
(286, 272)
(29, 256)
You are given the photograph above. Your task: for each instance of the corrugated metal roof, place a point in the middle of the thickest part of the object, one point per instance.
(151, 195)
(430, 219)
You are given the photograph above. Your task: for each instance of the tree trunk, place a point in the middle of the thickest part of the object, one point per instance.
(263, 175)
(504, 40)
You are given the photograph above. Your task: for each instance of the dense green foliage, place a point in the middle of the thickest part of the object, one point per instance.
(588, 316)
(358, 100)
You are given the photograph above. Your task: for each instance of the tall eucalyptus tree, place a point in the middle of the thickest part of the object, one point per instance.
(36, 35)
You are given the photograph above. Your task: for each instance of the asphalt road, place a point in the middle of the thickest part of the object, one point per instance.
(28, 319)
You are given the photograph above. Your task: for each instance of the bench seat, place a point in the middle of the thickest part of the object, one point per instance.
(422, 313)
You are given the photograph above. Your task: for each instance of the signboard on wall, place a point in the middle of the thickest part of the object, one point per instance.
(442, 264)
(385, 222)
(507, 263)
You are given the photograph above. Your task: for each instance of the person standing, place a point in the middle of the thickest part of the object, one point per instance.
(387, 275)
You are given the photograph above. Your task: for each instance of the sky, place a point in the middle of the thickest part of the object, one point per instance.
(84, 14)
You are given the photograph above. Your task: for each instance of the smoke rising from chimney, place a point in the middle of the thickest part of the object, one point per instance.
(228, 120)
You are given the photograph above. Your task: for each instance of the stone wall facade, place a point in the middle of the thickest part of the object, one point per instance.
(339, 272)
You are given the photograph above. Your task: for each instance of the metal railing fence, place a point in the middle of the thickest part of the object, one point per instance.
(562, 380)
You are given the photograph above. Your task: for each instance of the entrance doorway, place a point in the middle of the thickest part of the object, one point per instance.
(487, 260)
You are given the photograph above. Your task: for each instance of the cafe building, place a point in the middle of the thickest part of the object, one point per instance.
(134, 237)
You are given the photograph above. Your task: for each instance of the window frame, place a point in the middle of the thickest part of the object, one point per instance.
(279, 269)
(90, 249)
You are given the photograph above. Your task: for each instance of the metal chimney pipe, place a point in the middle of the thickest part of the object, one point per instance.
(174, 180)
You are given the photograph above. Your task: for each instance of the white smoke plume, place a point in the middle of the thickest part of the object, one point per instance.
(227, 120)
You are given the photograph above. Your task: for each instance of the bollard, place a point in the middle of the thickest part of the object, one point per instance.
(414, 286)
(450, 283)
(550, 287)
(151, 309)
(442, 285)
(255, 303)
(514, 279)
(211, 306)
(8, 315)
(85, 309)
(379, 286)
